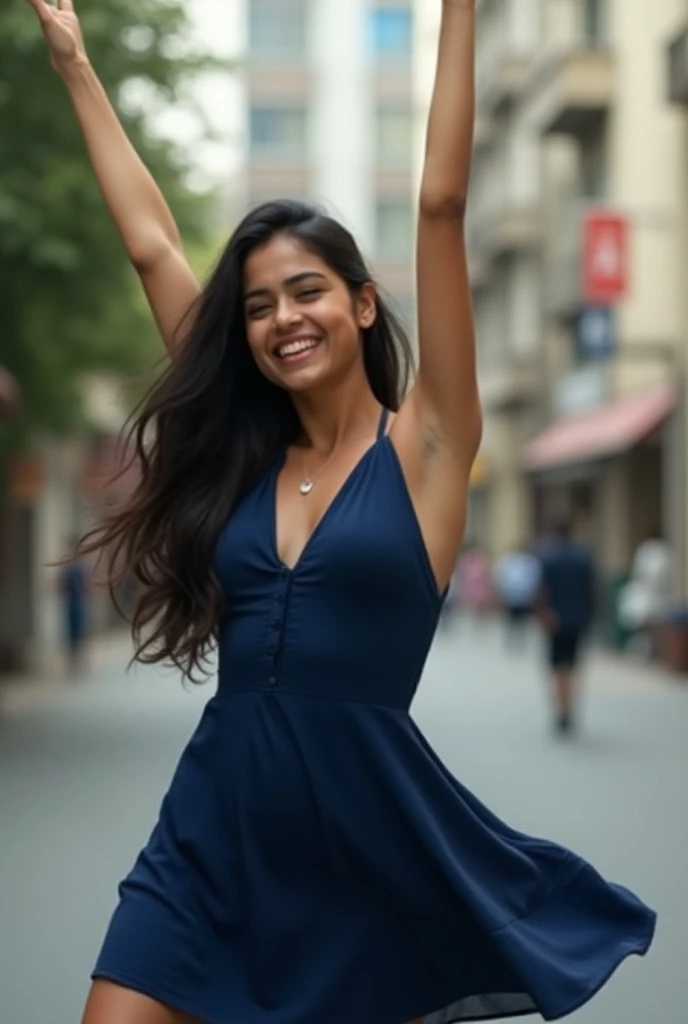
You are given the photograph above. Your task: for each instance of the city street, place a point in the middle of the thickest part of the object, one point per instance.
(83, 767)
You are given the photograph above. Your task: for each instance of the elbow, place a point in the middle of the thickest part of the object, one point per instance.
(476, 429)
(148, 252)
(441, 204)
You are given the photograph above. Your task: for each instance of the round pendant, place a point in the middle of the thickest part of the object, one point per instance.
(306, 487)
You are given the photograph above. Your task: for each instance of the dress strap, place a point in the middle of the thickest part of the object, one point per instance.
(382, 429)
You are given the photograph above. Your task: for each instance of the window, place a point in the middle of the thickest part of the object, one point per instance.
(595, 22)
(391, 33)
(394, 142)
(279, 132)
(394, 230)
(278, 29)
(593, 167)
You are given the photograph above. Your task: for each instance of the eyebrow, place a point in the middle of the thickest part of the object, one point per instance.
(290, 281)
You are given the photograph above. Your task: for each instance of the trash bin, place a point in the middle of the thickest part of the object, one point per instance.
(673, 642)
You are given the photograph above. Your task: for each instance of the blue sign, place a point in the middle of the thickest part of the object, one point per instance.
(596, 332)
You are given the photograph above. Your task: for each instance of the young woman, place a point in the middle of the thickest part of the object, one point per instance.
(314, 862)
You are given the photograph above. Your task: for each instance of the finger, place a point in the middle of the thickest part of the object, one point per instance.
(40, 7)
(65, 5)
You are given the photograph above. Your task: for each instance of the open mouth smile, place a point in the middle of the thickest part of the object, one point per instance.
(296, 350)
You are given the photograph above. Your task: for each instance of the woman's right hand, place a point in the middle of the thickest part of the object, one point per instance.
(62, 33)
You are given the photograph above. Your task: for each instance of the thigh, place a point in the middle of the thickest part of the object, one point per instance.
(112, 1004)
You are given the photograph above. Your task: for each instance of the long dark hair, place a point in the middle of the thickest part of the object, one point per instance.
(207, 430)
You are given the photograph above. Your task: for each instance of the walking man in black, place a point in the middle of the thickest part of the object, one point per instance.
(566, 611)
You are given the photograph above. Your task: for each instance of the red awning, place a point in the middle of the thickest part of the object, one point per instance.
(608, 430)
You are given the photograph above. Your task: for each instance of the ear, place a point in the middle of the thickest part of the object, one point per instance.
(366, 306)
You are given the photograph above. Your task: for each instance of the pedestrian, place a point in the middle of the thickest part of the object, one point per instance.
(313, 861)
(517, 583)
(567, 602)
(474, 581)
(74, 588)
(645, 601)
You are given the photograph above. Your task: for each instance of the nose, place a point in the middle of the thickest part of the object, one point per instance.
(287, 315)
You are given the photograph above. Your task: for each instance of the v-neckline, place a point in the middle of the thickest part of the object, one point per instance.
(339, 495)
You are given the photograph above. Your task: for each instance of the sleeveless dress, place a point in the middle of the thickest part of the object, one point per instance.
(314, 862)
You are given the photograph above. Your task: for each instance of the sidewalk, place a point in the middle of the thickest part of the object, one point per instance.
(110, 650)
(614, 669)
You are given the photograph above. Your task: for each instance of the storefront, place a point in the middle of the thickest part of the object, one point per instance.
(607, 471)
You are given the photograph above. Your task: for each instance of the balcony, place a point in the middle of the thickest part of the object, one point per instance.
(572, 92)
(513, 383)
(677, 68)
(502, 81)
(512, 229)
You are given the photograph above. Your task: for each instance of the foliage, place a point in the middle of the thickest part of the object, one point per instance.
(68, 297)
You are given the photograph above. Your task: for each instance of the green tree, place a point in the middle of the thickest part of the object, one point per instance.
(68, 297)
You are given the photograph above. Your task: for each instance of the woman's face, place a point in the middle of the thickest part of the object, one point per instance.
(303, 327)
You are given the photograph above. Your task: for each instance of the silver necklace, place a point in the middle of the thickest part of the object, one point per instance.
(308, 482)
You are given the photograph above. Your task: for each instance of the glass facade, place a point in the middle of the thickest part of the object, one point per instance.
(279, 133)
(390, 32)
(278, 29)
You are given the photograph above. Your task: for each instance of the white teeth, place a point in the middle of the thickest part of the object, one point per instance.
(294, 347)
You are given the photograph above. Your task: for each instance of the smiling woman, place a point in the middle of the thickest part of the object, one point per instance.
(301, 507)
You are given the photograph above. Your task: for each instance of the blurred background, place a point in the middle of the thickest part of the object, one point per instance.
(578, 239)
(578, 247)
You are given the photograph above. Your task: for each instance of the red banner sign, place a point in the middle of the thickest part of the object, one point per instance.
(605, 258)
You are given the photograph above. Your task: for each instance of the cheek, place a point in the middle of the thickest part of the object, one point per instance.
(256, 337)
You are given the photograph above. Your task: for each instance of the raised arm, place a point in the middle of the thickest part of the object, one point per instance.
(136, 205)
(446, 396)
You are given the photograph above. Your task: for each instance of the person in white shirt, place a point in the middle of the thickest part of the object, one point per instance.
(646, 598)
(517, 581)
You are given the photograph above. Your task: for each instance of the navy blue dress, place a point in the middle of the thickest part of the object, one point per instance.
(314, 862)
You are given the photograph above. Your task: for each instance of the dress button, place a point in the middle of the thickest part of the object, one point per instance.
(276, 623)
(280, 597)
(271, 648)
(272, 680)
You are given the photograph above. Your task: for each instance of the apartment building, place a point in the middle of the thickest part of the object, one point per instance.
(612, 450)
(330, 120)
(577, 247)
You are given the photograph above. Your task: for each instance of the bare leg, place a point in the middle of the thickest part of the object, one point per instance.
(111, 1004)
(563, 683)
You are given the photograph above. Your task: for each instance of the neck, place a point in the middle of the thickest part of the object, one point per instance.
(333, 417)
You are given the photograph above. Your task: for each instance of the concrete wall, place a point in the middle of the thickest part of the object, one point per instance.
(342, 123)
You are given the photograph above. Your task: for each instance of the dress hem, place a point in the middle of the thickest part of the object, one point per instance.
(626, 950)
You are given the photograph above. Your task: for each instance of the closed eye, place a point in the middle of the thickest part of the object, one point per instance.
(258, 311)
(310, 293)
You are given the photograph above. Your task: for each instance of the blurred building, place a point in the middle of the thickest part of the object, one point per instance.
(578, 237)
(55, 490)
(330, 119)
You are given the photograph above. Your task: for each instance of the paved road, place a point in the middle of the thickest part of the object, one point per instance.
(82, 770)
